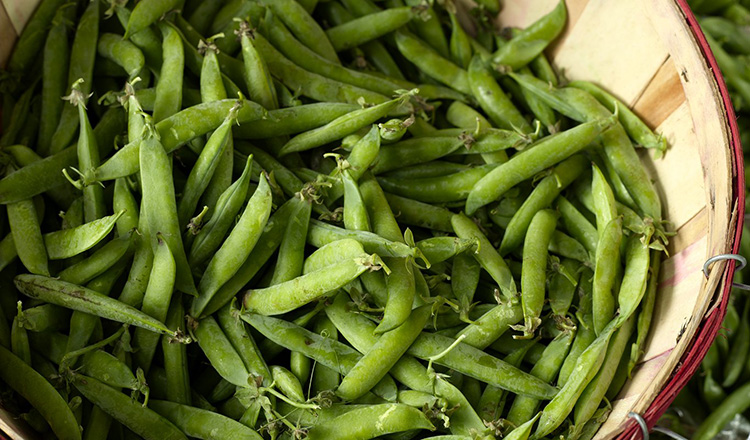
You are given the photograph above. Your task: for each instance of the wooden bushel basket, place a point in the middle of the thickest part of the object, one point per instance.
(652, 55)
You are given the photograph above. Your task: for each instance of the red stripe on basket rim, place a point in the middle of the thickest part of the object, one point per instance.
(704, 338)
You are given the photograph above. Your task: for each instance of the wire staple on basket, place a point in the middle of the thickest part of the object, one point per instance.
(742, 260)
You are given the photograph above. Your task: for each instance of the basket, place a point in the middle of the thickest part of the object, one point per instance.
(652, 55)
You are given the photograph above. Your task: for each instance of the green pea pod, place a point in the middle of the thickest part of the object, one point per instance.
(202, 424)
(81, 66)
(713, 392)
(354, 33)
(577, 225)
(487, 256)
(86, 300)
(156, 301)
(40, 394)
(220, 352)
(292, 294)
(370, 422)
(490, 326)
(545, 153)
(68, 243)
(321, 233)
(129, 412)
(647, 312)
(126, 54)
(323, 377)
(177, 130)
(355, 213)
(109, 370)
(31, 40)
(340, 127)
(493, 99)
(363, 154)
(412, 212)
(532, 41)
(236, 248)
(415, 151)
(146, 14)
(257, 78)
(54, 73)
(169, 86)
(293, 120)
(243, 342)
(634, 280)
(19, 338)
(147, 39)
(27, 236)
(440, 189)
(287, 383)
(432, 63)
(568, 247)
(304, 27)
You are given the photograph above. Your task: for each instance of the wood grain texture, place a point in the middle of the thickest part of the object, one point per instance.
(8, 36)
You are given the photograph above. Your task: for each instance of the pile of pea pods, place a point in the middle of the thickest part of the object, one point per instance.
(291, 219)
(716, 402)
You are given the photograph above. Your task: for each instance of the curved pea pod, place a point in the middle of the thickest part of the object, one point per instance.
(136, 417)
(340, 127)
(126, 54)
(440, 189)
(147, 13)
(287, 383)
(389, 348)
(487, 256)
(40, 394)
(99, 262)
(86, 300)
(257, 78)
(634, 279)
(562, 288)
(432, 63)
(321, 233)
(412, 212)
(68, 243)
(169, 85)
(54, 74)
(177, 130)
(541, 197)
(331, 254)
(633, 125)
(370, 422)
(490, 326)
(26, 232)
(220, 352)
(243, 342)
(355, 212)
(475, 363)
(236, 248)
(31, 40)
(493, 99)
(295, 293)
(147, 39)
(586, 368)
(531, 42)
(45, 317)
(542, 155)
(438, 249)
(605, 273)
(175, 358)
(200, 423)
(293, 120)
(577, 225)
(109, 370)
(568, 247)
(647, 312)
(304, 27)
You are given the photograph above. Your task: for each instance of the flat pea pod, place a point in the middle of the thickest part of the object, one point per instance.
(340, 127)
(27, 236)
(139, 419)
(147, 13)
(292, 294)
(68, 243)
(541, 197)
(454, 187)
(531, 42)
(633, 125)
(370, 422)
(432, 63)
(40, 394)
(220, 352)
(487, 256)
(169, 85)
(82, 57)
(293, 120)
(373, 366)
(304, 27)
(493, 99)
(126, 54)
(543, 154)
(202, 424)
(236, 248)
(54, 73)
(355, 33)
(177, 130)
(86, 300)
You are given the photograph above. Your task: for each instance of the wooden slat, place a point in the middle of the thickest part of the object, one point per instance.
(7, 36)
(663, 95)
(19, 12)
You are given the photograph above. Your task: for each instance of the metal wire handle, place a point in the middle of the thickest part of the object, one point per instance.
(644, 428)
(739, 258)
